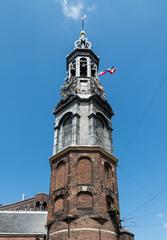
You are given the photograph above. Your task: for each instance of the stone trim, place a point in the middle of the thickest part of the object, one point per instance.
(83, 229)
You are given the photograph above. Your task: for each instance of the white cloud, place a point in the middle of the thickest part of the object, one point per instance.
(71, 9)
(75, 8)
(165, 225)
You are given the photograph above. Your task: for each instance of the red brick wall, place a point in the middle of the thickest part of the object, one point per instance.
(108, 175)
(60, 175)
(59, 202)
(85, 192)
(84, 171)
(84, 200)
(84, 228)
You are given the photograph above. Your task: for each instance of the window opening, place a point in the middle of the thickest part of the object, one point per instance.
(73, 68)
(93, 69)
(100, 131)
(67, 132)
(107, 169)
(109, 203)
(83, 67)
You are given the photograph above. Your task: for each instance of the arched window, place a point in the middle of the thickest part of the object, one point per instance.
(84, 171)
(73, 68)
(59, 202)
(37, 206)
(84, 200)
(83, 67)
(60, 175)
(67, 132)
(108, 175)
(64, 131)
(99, 131)
(44, 206)
(93, 69)
(40, 206)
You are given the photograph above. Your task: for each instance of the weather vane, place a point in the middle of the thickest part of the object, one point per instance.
(83, 22)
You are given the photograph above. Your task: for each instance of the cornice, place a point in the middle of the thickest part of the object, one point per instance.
(65, 103)
(78, 148)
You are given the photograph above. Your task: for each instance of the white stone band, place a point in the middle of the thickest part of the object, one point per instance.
(83, 229)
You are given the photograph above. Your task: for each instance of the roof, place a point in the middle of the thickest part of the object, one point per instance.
(23, 223)
(33, 200)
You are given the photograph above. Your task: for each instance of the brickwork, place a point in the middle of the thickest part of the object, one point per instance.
(84, 171)
(108, 175)
(59, 203)
(84, 228)
(60, 175)
(84, 200)
(84, 205)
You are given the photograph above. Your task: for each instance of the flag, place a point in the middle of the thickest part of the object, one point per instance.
(110, 70)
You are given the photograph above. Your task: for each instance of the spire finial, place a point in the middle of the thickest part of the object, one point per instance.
(83, 17)
(82, 42)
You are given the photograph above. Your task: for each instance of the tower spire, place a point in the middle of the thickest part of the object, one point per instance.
(83, 17)
(82, 42)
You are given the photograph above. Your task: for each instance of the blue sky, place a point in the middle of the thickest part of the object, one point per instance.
(36, 36)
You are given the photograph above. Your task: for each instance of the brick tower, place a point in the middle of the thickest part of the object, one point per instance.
(83, 201)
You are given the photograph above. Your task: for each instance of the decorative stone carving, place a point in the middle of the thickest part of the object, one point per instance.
(71, 87)
(82, 42)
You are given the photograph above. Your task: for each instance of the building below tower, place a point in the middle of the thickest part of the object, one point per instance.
(25, 220)
(37, 203)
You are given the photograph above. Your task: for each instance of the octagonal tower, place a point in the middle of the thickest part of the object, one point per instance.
(83, 189)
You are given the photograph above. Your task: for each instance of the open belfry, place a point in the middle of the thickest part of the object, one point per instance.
(83, 199)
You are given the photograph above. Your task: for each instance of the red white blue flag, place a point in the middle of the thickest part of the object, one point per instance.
(110, 70)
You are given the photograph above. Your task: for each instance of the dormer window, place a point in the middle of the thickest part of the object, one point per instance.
(83, 67)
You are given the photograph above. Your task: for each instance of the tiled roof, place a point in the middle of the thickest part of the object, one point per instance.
(23, 222)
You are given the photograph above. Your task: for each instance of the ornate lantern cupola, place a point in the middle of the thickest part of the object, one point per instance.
(82, 67)
(83, 116)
